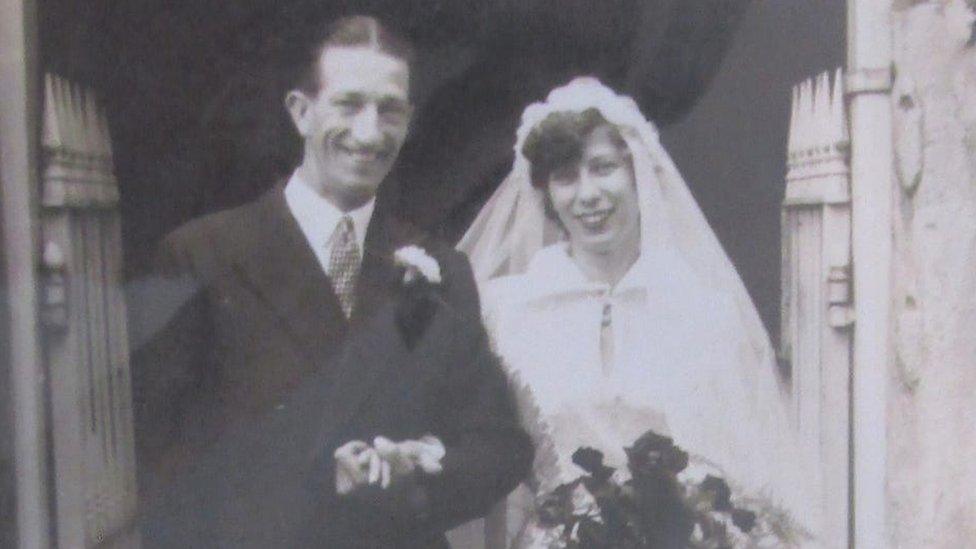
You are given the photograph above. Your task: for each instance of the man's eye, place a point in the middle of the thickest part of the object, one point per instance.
(347, 104)
(393, 111)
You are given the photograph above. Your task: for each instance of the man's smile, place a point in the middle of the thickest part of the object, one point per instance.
(363, 154)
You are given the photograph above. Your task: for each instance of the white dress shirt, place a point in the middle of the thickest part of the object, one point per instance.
(318, 218)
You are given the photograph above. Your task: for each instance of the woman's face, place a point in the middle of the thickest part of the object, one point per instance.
(596, 198)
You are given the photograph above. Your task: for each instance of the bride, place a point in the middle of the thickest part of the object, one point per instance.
(615, 309)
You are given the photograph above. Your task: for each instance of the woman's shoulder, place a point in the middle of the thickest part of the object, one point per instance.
(674, 275)
(548, 266)
(502, 291)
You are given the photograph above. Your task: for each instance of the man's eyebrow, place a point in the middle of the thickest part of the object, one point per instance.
(349, 94)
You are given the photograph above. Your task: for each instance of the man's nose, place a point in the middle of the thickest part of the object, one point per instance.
(365, 129)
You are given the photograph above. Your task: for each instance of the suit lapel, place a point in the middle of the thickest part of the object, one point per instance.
(377, 275)
(280, 266)
(372, 353)
(375, 349)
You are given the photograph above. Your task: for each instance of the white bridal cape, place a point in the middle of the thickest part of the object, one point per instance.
(692, 359)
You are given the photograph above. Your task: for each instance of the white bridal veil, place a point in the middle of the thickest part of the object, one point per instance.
(512, 225)
(753, 432)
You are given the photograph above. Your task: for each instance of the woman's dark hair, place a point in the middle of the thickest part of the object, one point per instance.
(558, 141)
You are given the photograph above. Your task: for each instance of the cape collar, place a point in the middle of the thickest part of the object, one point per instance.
(552, 272)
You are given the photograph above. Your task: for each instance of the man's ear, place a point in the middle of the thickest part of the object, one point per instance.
(299, 106)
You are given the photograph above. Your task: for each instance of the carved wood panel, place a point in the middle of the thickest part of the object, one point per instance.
(84, 316)
(816, 298)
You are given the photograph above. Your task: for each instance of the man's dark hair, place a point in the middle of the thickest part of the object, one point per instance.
(355, 30)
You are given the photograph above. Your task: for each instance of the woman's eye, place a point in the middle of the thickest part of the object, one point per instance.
(562, 177)
(605, 167)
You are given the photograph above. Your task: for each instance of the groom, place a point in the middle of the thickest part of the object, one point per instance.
(309, 390)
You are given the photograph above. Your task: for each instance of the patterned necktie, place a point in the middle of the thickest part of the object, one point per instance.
(344, 264)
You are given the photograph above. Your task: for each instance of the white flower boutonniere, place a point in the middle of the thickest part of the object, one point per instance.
(417, 265)
(419, 293)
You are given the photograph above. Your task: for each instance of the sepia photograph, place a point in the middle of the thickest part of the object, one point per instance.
(487, 274)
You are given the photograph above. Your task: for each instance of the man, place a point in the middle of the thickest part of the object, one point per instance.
(310, 392)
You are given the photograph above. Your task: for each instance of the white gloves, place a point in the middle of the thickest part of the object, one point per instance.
(359, 464)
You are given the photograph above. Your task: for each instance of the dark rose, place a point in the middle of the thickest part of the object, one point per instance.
(713, 533)
(654, 452)
(415, 309)
(721, 494)
(743, 519)
(591, 461)
(556, 507)
(594, 535)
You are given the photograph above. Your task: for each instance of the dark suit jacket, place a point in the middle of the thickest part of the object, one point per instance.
(243, 395)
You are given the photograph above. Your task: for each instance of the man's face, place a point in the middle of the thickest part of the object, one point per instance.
(355, 125)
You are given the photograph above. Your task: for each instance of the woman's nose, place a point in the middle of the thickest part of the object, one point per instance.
(588, 191)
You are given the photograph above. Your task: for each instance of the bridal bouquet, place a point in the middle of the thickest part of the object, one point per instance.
(665, 504)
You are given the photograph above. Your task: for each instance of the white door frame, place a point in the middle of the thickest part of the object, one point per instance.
(869, 81)
(19, 175)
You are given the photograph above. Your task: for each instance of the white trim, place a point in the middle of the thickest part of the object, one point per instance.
(876, 80)
(19, 117)
(872, 184)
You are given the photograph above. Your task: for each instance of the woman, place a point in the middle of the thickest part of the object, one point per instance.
(615, 309)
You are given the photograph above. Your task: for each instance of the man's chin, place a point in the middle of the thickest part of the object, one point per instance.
(353, 187)
(368, 175)
(360, 192)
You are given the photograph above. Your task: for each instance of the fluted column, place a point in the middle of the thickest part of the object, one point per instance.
(83, 311)
(816, 298)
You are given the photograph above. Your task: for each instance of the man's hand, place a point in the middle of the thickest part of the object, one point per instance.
(424, 454)
(358, 464)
